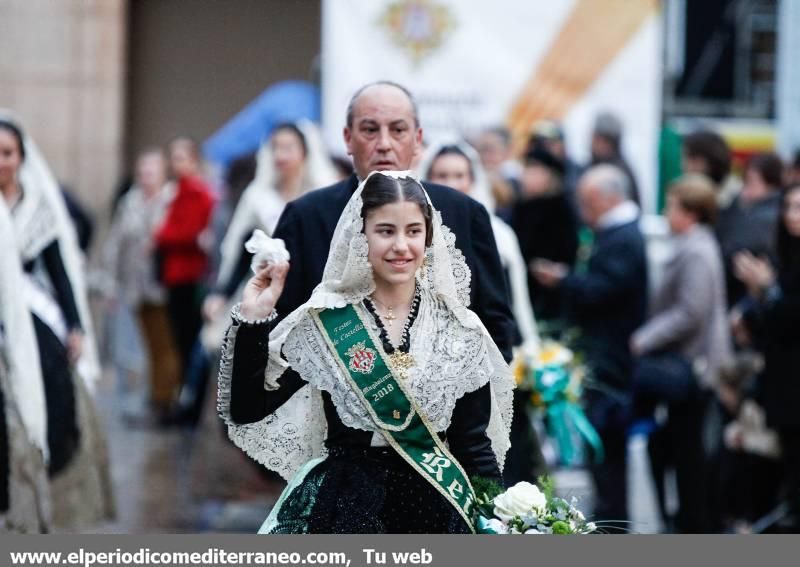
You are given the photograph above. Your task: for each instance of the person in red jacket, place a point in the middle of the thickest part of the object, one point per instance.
(183, 261)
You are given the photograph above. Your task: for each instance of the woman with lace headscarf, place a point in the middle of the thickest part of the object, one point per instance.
(292, 162)
(457, 165)
(54, 290)
(383, 395)
(24, 488)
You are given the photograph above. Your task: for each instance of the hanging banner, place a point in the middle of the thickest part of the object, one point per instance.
(473, 64)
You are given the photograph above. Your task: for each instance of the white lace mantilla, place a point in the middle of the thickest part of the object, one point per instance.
(454, 353)
(286, 439)
(451, 360)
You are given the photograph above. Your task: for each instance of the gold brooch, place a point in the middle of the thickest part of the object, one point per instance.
(401, 363)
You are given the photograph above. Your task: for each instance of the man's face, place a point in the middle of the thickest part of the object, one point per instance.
(590, 203)
(383, 135)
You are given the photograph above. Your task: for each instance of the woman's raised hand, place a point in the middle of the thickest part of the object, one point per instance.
(263, 291)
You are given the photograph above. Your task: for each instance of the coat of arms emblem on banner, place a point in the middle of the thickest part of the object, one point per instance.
(362, 358)
(419, 27)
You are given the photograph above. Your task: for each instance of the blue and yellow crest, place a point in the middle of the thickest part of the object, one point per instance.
(418, 27)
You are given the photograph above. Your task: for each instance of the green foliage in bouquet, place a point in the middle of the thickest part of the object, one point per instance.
(485, 492)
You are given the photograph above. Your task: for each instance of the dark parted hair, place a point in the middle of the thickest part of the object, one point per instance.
(712, 148)
(788, 249)
(15, 131)
(380, 190)
(291, 127)
(695, 193)
(451, 150)
(769, 166)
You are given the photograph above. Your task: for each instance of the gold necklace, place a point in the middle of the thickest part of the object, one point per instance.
(400, 361)
(390, 317)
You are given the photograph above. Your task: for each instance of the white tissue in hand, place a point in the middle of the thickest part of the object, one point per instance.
(265, 250)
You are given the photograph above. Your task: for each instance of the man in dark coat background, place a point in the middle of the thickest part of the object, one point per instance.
(383, 133)
(608, 303)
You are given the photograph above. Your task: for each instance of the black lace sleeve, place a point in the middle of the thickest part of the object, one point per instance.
(250, 402)
(53, 263)
(467, 437)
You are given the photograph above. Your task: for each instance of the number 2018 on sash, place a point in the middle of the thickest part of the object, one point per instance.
(382, 392)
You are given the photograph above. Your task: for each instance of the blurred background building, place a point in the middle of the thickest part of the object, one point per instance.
(97, 80)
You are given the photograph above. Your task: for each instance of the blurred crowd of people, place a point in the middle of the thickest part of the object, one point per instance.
(692, 346)
(688, 339)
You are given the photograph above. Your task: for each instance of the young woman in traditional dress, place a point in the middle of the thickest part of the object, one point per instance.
(383, 395)
(55, 292)
(24, 488)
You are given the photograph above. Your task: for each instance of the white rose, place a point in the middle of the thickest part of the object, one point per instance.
(518, 500)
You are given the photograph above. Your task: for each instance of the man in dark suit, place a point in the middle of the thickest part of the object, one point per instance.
(383, 133)
(607, 302)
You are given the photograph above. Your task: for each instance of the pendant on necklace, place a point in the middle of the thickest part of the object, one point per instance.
(390, 316)
(401, 363)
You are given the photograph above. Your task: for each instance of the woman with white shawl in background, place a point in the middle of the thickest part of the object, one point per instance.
(25, 491)
(292, 162)
(457, 165)
(55, 292)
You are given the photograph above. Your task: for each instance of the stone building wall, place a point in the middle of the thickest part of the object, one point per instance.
(62, 71)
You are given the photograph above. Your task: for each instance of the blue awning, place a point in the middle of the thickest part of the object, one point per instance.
(287, 101)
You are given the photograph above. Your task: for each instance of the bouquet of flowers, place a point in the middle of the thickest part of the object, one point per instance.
(555, 375)
(525, 509)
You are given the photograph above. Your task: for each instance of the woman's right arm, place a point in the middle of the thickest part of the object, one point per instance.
(250, 402)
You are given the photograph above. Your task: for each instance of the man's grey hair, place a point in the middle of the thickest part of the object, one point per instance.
(609, 179)
(351, 105)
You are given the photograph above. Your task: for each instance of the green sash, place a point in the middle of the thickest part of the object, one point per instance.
(363, 361)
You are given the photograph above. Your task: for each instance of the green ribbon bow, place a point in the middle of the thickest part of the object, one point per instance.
(564, 416)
